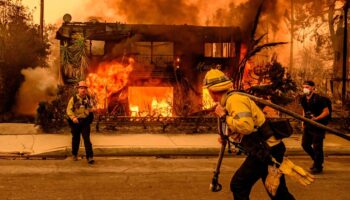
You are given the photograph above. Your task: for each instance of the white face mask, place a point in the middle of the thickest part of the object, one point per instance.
(306, 91)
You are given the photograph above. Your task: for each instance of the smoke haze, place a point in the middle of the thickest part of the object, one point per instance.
(40, 85)
(195, 12)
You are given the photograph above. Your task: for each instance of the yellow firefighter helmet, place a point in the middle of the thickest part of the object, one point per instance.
(215, 80)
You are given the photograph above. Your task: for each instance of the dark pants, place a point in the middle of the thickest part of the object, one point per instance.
(82, 128)
(312, 143)
(254, 169)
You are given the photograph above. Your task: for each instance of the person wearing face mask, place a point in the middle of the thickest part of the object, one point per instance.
(314, 107)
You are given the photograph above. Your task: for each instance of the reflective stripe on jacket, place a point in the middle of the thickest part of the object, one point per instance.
(244, 116)
(77, 109)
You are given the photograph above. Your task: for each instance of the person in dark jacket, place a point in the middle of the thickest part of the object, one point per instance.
(314, 107)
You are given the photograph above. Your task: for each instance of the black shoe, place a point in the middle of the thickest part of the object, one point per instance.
(75, 158)
(316, 170)
(90, 161)
(312, 167)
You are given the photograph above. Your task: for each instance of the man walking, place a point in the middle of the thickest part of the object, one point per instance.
(314, 107)
(80, 117)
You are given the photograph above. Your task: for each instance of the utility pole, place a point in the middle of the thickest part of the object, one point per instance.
(345, 50)
(291, 36)
(42, 19)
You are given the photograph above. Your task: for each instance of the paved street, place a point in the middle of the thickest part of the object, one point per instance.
(146, 178)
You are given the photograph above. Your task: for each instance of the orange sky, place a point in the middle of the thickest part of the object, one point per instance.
(54, 9)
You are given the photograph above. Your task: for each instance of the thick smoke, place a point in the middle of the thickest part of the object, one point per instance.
(243, 14)
(272, 21)
(40, 85)
(147, 12)
(195, 12)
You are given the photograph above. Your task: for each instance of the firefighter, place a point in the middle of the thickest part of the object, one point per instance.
(246, 124)
(80, 116)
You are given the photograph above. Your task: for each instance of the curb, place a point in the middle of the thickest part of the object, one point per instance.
(160, 151)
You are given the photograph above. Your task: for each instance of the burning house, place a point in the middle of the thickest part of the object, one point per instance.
(144, 69)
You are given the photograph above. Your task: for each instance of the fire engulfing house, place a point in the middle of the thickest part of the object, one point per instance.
(144, 69)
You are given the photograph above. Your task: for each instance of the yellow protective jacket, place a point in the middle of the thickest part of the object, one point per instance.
(244, 116)
(78, 109)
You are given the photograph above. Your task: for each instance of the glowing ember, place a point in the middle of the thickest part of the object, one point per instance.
(162, 108)
(207, 101)
(150, 101)
(109, 79)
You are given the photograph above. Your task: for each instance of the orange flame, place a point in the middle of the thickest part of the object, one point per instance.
(134, 111)
(153, 101)
(250, 78)
(207, 101)
(110, 78)
(162, 108)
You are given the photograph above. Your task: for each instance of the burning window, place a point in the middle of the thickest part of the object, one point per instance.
(157, 53)
(219, 50)
(97, 48)
(144, 51)
(150, 101)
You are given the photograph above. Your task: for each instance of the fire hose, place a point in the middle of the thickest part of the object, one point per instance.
(297, 116)
(215, 186)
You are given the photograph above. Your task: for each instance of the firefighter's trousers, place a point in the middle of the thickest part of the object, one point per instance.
(83, 128)
(254, 169)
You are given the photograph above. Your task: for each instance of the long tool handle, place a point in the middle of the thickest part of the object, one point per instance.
(215, 186)
(297, 116)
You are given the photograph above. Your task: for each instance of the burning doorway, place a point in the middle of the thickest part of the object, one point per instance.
(150, 101)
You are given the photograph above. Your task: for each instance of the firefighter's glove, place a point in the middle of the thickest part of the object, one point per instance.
(296, 172)
(220, 111)
(272, 179)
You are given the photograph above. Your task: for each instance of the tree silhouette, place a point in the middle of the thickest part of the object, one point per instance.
(22, 48)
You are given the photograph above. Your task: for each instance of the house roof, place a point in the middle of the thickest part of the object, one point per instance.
(154, 32)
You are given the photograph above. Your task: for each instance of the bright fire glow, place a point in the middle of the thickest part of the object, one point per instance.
(134, 111)
(207, 101)
(109, 79)
(150, 101)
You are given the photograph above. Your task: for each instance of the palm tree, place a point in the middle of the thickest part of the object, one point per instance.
(78, 53)
(254, 47)
(65, 60)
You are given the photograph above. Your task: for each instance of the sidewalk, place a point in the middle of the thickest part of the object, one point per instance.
(33, 143)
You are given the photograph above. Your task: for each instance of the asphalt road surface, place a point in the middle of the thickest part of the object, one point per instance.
(146, 178)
